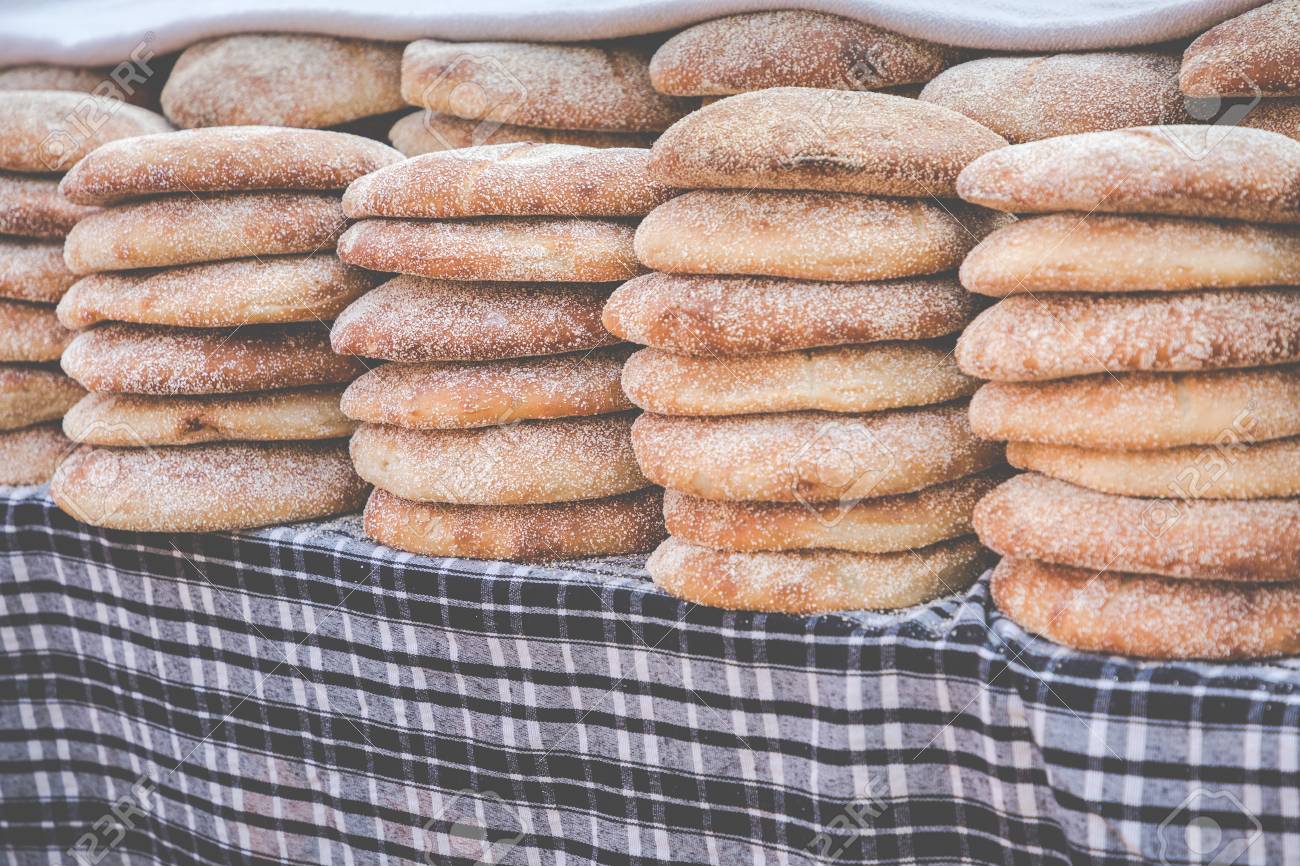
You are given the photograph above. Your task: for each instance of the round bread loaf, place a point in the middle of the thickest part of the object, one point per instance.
(207, 488)
(839, 379)
(1229, 469)
(883, 525)
(521, 249)
(416, 319)
(33, 270)
(34, 394)
(1032, 516)
(522, 179)
(1108, 253)
(429, 132)
(767, 234)
(133, 420)
(1027, 338)
(834, 140)
(228, 159)
(448, 395)
(270, 290)
(528, 463)
(184, 230)
(711, 316)
(140, 359)
(1028, 98)
(548, 532)
(282, 79)
(791, 48)
(1256, 53)
(598, 85)
(30, 455)
(1280, 115)
(31, 207)
(51, 130)
(1142, 410)
(128, 85)
(31, 332)
(1197, 171)
(815, 581)
(810, 456)
(1148, 616)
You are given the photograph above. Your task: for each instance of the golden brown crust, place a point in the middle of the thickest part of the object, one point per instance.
(282, 79)
(229, 159)
(267, 290)
(34, 394)
(1279, 114)
(1196, 171)
(33, 270)
(207, 488)
(1255, 53)
(791, 48)
(31, 207)
(554, 531)
(1151, 617)
(1032, 516)
(522, 179)
(30, 455)
(839, 379)
(532, 462)
(446, 395)
(839, 141)
(1029, 98)
(710, 315)
(1229, 469)
(51, 130)
(598, 85)
(521, 249)
(1142, 410)
(429, 132)
(31, 332)
(182, 230)
(142, 359)
(1109, 253)
(883, 525)
(815, 581)
(810, 456)
(416, 319)
(764, 233)
(132, 420)
(1027, 338)
(82, 79)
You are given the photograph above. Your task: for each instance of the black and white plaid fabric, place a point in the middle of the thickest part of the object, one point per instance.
(299, 695)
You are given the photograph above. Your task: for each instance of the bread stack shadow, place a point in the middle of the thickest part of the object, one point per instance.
(205, 286)
(1143, 366)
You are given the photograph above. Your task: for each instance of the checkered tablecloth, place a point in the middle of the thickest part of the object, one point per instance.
(300, 695)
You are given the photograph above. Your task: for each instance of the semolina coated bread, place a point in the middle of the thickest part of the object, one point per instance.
(1025, 338)
(430, 132)
(1030, 98)
(791, 48)
(34, 394)
(31, 207)
(51, 130)
(594, 86)
(1035, 517)
(1255, 54)
(1071, 252)
(1135, 411)
(30, 455)
(31, 333)
(770, 233)
(447, 395)
(413, 319)
(829, 140)
(133, 86)
(815, 581)
(1148, 616)
(708, 316)
(282, 79)
(33, 270)
(1195, 171)
(549, 532)
(521, 179)
(224, 159)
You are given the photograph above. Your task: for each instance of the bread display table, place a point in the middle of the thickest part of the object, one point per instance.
(351, 699)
